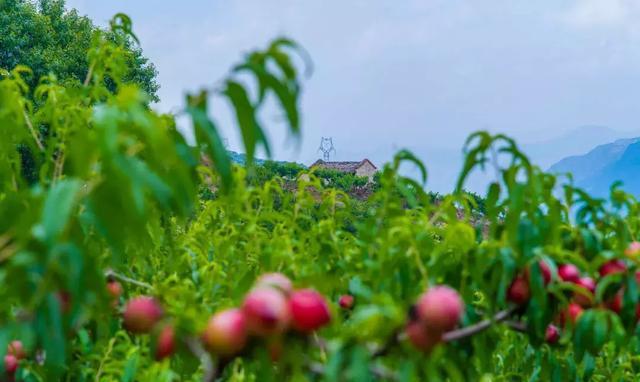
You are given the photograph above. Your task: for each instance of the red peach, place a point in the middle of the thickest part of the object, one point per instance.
(267, 311)
(519, 292)
(633, 249)
(309, 310)
(572, 313)
(114, 289)
(545, 270)
(10, 364)
(440, 308)
(420, 337)
(552, 334)
(346, 301)
(226, 332)
(569, 273)
(16, 349)
(589, 286)
(612, 267)
(141, 314)
(615, 304)
(275, 280)
(165, 342)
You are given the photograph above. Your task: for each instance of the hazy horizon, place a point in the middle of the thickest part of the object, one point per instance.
(417, 74)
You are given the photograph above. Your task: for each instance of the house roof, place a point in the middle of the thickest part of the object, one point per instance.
(342, 166)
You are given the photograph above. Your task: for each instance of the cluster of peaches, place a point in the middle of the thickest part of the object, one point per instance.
(268, 311)
(273, 307)
(437, 311)
(15, 352)
(519, 291)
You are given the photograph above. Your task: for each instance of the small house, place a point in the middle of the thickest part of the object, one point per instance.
(363, 168)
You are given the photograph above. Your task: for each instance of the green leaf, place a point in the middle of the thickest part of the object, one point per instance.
(252, 134)
(58, 205)
(207, 136)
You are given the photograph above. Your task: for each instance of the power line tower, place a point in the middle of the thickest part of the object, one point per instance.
(326, 147)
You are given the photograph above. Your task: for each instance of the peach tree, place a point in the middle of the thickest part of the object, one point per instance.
(115, 268)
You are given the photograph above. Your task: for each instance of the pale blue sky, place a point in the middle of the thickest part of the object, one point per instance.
(409, 73)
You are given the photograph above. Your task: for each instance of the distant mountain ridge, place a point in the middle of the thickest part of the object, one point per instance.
(574, 142)
(598, 169)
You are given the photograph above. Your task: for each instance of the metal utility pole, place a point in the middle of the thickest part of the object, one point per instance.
(326, 147)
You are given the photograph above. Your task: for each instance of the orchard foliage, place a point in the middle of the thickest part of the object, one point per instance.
(114, 269)
(47, 38)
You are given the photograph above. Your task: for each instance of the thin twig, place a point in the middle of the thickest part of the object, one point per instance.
(32, 130)
(470, 330)
(451, 336)
(142, 284)
(210, 373)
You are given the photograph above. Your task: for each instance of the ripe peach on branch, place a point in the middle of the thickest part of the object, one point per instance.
(267, 311)
(226, 332)
(309, 310)
(440, 308)
(141, 314)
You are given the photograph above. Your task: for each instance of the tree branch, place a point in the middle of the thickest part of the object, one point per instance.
(110, 273)
(470, 330)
